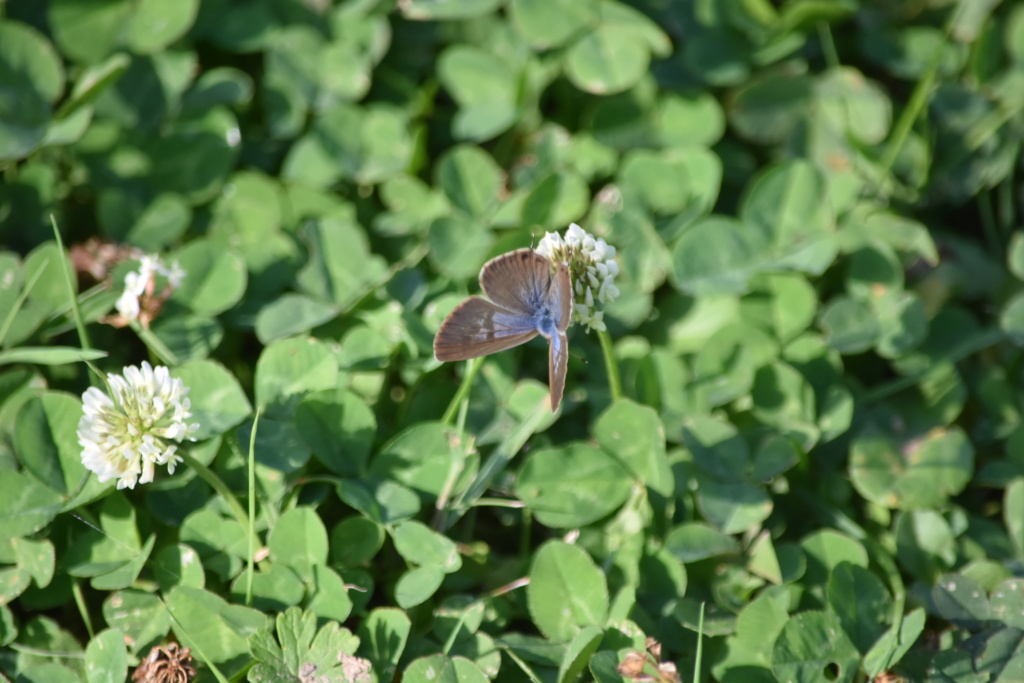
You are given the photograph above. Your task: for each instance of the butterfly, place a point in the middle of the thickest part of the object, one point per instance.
(529, 295)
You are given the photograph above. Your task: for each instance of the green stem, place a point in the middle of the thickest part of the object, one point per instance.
(76, 591)
(218, 485)
(610, 365)
(154, 344)
(472, 367)
(498, 461)
(251, 570)
(980, 340)
(76, 312)
(916, 104)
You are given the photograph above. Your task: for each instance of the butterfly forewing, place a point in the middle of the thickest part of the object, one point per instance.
(518, 281)
(477, 328)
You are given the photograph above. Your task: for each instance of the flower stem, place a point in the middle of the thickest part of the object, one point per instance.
(219, 486)
(472, 367)
(610, 365)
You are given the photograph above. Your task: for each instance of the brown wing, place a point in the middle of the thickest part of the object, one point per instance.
(477, 328)
(517, 281)
(558, 364)
(563, 294)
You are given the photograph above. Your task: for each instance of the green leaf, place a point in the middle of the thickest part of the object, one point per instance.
(339, 428)
(33, 78)
(727, 365)
(25, 506)
(484, 87)
(273, 589)
(195, 155)
(918, 475)
(961, 601)
(355, 541)
(47, 444)
(141, 616)
(209, 625)
(1008, 601)
(811, 643)
(558, 199)
(416, 586)
(768, 109)
(220, 541)
(383, 635)
(788, 205)
(329, 599)
(383, 502)
(418, 544)
(215, 278)
(178, 565)
(328, 651)
(567, 591)
(578, 653)
(126, 574)
(896, 642)
(155, 24)
(851, 326)
(366, 145)
(218, 402)
(635, 435)
(442, 669)
(733, 507)
(458, 245)
(925, 544)
(1013, 514)
(758, 625)
(717, 255)
(549, 23)
(1011, 320)
(693, 542)
(421, 457)
(299, 541)
(290, 369)
(341, 267)
(291, 314)
(851, 103)
(861, 602)
(37, 558)
(470, 179)
(572, 486)
(826, 550)
(607, 60)
(435, 10)
(106, 658)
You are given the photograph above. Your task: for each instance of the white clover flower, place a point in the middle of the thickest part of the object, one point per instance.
(592, 263)
(140, 300)
(126, 436)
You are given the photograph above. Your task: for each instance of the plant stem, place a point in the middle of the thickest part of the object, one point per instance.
(219, 486)
(251, 530)
(610, 365)
(472, 367)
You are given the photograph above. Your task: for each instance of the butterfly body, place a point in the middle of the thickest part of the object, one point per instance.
(527, 295)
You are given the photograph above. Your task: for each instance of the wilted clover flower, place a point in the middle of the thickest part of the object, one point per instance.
(128, 434)
(140, 300)
(593, 266)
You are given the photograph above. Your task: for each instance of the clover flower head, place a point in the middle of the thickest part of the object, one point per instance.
(140, 300)
(594, 269)
(127, 434)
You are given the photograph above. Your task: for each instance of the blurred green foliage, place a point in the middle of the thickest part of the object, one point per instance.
(816, 206)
